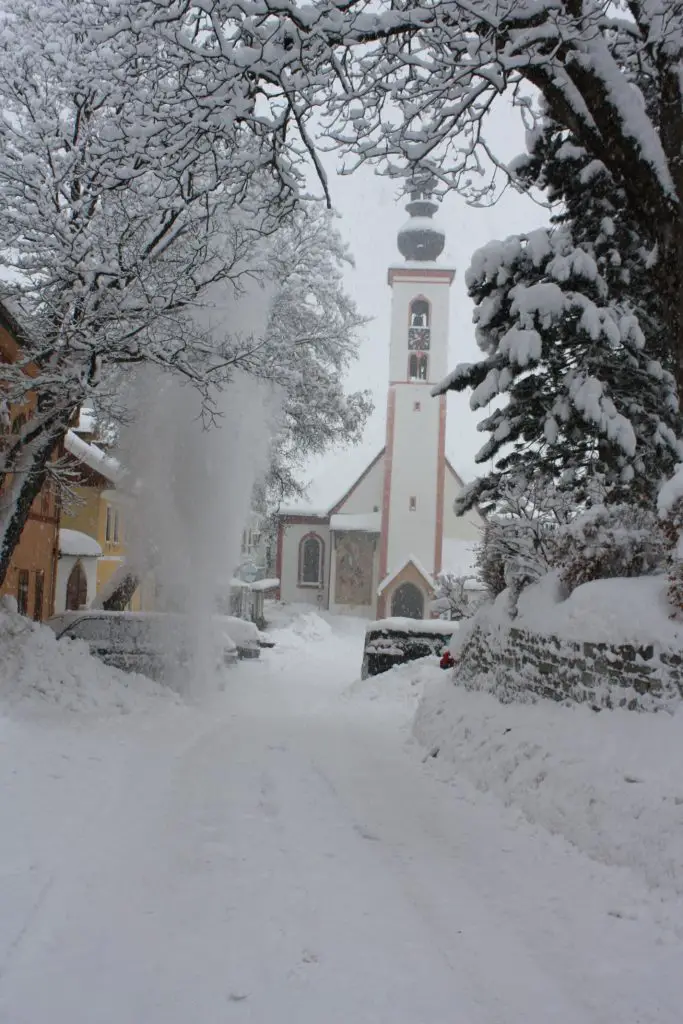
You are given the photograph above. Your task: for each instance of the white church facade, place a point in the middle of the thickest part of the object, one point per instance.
(377, 551)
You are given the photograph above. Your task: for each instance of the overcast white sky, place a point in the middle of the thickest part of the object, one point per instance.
(370, 217)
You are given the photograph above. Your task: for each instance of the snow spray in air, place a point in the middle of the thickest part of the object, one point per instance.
(194, 483)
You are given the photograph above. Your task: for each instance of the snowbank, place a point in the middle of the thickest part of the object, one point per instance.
(402, 685)
(297, 629)
(37, 670)
(616, 611)
(610, 783)
(403, 625)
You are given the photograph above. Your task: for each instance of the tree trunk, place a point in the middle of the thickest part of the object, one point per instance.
(122, 593)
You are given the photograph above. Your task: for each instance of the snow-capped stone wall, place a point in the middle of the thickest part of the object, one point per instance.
(611, 643)
(517, 664)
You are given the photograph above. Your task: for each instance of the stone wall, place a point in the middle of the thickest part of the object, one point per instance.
(515, 664)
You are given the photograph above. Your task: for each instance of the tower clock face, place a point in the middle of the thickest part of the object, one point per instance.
(418, 338)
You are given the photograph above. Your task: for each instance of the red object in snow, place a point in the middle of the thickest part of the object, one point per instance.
(447, 660)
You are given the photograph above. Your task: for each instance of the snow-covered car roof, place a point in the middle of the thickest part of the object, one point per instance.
(65, 619)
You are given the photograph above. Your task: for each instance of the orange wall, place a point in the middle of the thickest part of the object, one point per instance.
(38, 546)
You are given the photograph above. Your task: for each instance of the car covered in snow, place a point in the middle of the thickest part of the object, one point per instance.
(246, 635)
(151, 643)
(390, 642)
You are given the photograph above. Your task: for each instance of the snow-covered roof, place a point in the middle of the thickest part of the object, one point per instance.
(459, 557)
(73, 542)
(93, 457)
(260, 585)
(87, 421)
(414, 625)
(366, 522)
(410, 560)
(268, 584)
(305, 513)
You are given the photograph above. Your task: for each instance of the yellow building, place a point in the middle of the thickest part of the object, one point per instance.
(100, 511)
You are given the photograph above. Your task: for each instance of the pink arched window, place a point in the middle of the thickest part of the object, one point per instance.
(311, 560)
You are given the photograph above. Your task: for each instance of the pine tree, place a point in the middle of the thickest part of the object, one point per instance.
(574, 342)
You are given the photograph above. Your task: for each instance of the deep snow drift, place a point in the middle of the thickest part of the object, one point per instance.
(615, 611)
(610, 782)
(285, 852)
(39, 673)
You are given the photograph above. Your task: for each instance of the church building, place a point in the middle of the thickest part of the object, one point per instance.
(377, 551)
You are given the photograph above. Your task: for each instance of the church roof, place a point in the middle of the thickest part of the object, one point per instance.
(347, 494)
(301, 512)
(410, 560)
(363, 522)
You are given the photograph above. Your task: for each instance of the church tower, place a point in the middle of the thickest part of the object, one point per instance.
(415, 456)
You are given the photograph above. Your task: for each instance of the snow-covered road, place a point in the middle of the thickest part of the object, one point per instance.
(284, 857)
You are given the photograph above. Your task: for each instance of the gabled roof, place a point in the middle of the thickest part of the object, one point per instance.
(458, 479)
(410, 560)
(93, 457)
(359, 479)
(300, 512)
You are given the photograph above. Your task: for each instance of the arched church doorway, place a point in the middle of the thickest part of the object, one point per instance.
(408, 602)
(76, 588)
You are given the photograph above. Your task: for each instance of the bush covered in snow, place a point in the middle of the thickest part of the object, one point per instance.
(607, 542)
(541, 530)
(457, 597)
(518, 545)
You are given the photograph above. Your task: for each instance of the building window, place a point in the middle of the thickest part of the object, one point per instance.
(419, 313)
(419, 330)
(311, 554)
(38, 595)
(412, 504)
(22, 592)
(109, 526)
(45, 500)
(116, 526)
(417, 367)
